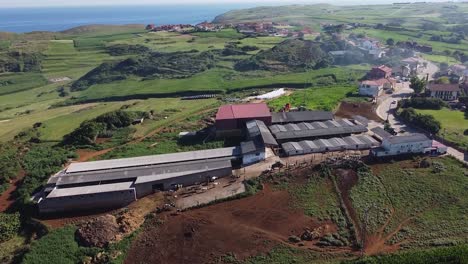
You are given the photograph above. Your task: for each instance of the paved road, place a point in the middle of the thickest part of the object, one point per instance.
(387, 104)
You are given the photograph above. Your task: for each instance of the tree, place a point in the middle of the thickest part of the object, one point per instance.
(443, 80)
(417, 84)
(390, 42)
(9, 225)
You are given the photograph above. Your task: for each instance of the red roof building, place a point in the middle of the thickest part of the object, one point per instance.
(231, 117)
(381, 71)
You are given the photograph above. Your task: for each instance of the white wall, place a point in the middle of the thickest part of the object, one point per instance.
(395, 149)
(253, 157)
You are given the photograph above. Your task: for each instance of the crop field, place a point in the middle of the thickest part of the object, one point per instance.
(454, 123)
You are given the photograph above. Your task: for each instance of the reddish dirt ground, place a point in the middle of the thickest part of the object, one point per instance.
(6, 198)
(244, 227)
(346, 180)
(348, 110)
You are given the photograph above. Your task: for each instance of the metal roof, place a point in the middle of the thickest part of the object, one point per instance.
(240, 111)
(153, 160)
(257, 128)
(380, 132)
(412, 138)
(300, 116)
(163, 171)
(90, 189)
(252, 146)
(327, 128)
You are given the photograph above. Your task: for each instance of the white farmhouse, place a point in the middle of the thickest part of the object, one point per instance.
(396, 145)
(447, 92)
(375, 87)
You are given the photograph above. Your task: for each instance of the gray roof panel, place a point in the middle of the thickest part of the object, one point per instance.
(153, 160)
(90, 189)
(300, 116)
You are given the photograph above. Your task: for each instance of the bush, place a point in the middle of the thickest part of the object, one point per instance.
(9, 163)
(40, 163)
(426, 122)
(423, 103)
(57, 247)
(9, 226)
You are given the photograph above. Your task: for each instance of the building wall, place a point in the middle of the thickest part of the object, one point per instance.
(396, 149)
(146, 188)
(253, 158)
(444, 95)
(232, 124)
(369, 90)
(87, 201)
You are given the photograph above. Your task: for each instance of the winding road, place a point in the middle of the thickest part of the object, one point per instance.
(388, 102)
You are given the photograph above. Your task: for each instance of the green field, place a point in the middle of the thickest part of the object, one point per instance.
(17, 82)
(454, 123)
(416, 207)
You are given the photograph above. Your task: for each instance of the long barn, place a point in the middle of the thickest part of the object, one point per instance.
(118, 182)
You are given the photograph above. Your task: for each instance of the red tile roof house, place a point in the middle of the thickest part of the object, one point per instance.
(231, 119)
(448, 92)
(381, 71)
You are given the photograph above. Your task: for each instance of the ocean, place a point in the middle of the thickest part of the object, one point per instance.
(22, 20)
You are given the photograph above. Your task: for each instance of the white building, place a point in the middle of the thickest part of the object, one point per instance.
(396, 145)
(374, 87)
(447, 92)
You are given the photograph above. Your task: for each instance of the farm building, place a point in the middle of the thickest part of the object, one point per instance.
(397, 145)
(315, 130)
(380, 133)
(115, 183)
(259, 138)
(359, 142)
(231, 119)
(300, 116)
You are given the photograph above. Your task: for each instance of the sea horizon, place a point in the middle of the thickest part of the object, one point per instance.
(29, 19)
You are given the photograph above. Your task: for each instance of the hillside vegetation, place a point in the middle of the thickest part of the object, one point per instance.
(292, 54)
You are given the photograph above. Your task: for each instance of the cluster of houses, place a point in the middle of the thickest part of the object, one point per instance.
(203, 27)
(378, 79)
(272, 29)
(450, 91)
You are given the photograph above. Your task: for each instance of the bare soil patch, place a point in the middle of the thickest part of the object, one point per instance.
(349, 109)
(244, 227)
(7, 197)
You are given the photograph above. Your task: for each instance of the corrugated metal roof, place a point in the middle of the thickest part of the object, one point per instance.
(90, 189)
(135, 172)
(319, 132)
(300, 116)
(380, 132)
(257, 128)
(240, 111)
(417, 137)
(153, 160)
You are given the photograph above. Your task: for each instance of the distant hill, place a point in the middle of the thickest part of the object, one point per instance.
(289, 55)
(97, 28)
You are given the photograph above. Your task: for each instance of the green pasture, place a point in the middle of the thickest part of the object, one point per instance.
(16, 82)
(440, 58)
(453, 122)
(425, 207)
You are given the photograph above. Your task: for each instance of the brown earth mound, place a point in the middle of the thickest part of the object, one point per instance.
(243, 227)
(365, 109)
(98, 232)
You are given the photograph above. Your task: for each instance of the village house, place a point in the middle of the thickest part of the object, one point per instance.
(459, 70)
(206, 26)
(413, 64)
(447, 92)
(379, 72)
(374, 88)
(408, 144)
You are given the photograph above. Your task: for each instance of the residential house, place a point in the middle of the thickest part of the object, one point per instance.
(447, 92)
(459, 70)
(375, 87)
(379, 72)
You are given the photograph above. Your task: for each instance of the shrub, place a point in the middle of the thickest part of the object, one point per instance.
(426, 122)
(423, 103)
(9, 225)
